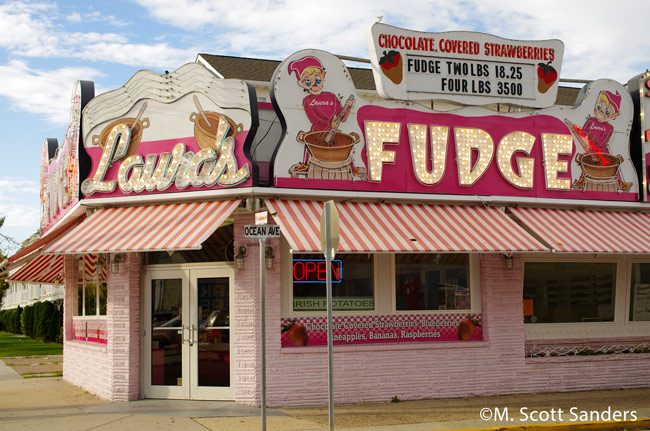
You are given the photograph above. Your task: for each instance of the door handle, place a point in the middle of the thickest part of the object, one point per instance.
(192, 329)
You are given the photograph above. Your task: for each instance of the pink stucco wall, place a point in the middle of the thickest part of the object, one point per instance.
(363, 373)
(373, 373)
(110, 371)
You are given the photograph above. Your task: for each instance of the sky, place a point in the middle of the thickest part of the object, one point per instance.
(45, 47)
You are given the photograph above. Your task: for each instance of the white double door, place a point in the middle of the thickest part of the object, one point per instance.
(187, 337)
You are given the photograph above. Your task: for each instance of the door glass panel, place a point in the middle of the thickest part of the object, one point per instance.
(167, 332)
(214, 331)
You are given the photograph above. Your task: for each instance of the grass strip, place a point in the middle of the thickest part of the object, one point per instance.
(21, 345)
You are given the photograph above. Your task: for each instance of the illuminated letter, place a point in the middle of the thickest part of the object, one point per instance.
(182, 176)
(510, 144)
(119, 136)
(377, 134)
(122, 134)
(466, 141)
(206, 155)
(418, 141)
(225, 170)
(166, 173)
(555, 145)
(131, 165)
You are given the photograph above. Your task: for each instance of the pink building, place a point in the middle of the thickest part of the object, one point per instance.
(480, 252)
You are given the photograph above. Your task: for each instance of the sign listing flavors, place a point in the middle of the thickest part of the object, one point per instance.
(312, 331)
(641, 303)
(464, 67)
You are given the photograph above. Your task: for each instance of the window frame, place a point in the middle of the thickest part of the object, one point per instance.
(287, 288)
(81, 299)
(621, 326)
(383, 289)
(473, 277)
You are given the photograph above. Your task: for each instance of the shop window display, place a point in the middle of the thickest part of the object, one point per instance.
(569, 292)
(432, 282)
(352, 289)
(91, 293)
(640, 292)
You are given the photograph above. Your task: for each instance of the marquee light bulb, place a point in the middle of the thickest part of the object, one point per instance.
(378, 134)
(466, 141)
(418, 142)
(555, 145)
(509, 144)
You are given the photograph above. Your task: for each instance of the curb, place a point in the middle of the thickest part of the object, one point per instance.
(576, 426)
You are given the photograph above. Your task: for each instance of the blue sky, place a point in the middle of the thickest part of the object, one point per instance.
(46, 46)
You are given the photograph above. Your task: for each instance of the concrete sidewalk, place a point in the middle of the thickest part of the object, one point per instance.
(52, 404)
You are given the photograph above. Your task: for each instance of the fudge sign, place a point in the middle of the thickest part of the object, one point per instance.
(336, 139)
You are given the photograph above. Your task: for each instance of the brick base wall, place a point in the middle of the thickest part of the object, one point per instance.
(376, 373)
(110, 371)
(362, 373)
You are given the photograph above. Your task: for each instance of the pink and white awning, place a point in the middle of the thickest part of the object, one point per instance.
(41, 269)
(178, 226)
(391, 227)
(581, 231)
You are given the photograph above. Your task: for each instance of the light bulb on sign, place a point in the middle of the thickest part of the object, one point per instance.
(466, 141)
(509, 144)
(554, 145)
(378, 134)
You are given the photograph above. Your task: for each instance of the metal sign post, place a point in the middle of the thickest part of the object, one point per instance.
(329, 236)
(261, 231)
(263, 330)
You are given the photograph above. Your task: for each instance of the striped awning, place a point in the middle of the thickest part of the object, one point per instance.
(179, 226)
(582, 231)
(33, 250)
(42, 269)
(384, 227)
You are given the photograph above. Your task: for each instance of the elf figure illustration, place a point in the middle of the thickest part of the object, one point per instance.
(323, 108)
(596, 134)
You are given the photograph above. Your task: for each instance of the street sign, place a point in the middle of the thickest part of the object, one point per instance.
(261, 231)
(333, 229)
(262, 217)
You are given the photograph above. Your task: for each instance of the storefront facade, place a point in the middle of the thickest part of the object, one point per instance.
(481, 253)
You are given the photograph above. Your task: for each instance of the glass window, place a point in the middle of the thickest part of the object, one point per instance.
(562, 292)
(80, 299)
(432, 282)
(353, 282)
(640, 301)
(92, 289)
(90, 299)
(102, 298)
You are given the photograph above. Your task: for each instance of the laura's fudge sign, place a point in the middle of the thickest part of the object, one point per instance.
(336, 139)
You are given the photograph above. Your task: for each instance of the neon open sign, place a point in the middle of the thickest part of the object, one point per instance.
(314, 271)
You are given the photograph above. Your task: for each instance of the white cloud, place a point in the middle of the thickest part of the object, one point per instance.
(9, 186)
(42, 92)
(19, 205)
(602, 39)
(74, 17)
(33, 30)
(19, 215)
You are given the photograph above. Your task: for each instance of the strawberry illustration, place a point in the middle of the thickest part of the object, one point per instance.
(391, 66)
(546, 76)
(467, 328)
(296, 333)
